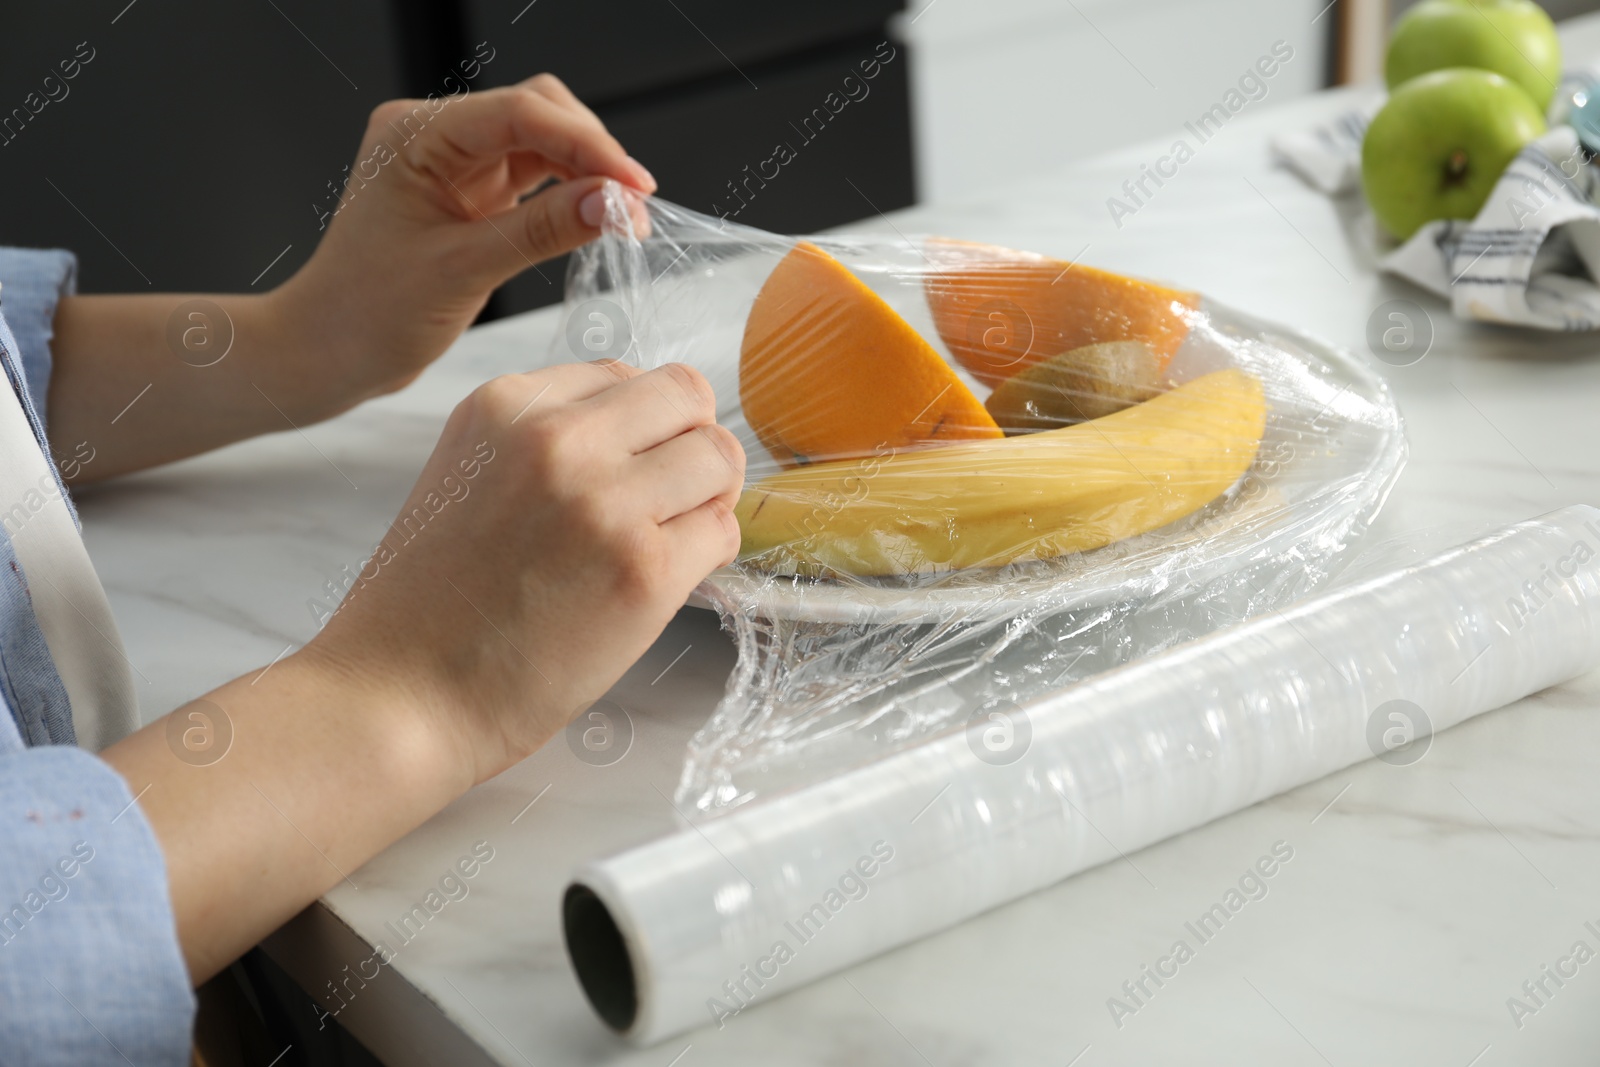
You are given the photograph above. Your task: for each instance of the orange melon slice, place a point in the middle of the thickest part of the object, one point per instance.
(827, 370)
(1000, 311)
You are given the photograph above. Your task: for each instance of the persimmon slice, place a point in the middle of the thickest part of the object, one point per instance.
(1001, 311)
(828, 370)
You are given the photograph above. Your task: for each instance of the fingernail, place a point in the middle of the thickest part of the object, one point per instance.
(592, 208)
(640, 214)
(647, 180)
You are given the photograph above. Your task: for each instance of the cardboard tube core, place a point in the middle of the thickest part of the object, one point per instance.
(600, 957)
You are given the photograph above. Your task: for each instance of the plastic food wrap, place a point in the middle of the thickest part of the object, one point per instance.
(691, 929)
(975, 474)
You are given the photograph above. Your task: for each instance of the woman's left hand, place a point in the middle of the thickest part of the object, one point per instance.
(435, 215)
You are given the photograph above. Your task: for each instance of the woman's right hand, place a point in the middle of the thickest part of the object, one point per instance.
(562, 520)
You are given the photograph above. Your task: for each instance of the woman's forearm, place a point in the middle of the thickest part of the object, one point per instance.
(142, 380)
(561, 556)
(276, 787)
(406, 265)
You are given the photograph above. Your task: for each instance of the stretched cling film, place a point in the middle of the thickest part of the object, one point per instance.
(975, 474)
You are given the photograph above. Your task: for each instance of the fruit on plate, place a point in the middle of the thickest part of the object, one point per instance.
(989, 503)
(1086, 383)
(1440, 144)
(828, 370)
(1513, 38)
(1000, 311)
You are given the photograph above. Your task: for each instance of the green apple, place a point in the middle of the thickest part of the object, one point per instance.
(1440, 144)
(1510, 37)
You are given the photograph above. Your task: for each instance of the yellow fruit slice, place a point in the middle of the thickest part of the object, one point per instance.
(989, 503)
(1000, 311)
(828, 370)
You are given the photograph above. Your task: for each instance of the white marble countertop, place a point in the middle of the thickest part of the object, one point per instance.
(1419, 899)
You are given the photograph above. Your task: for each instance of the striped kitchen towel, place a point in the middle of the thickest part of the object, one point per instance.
(1329, 156)
(1530, 258)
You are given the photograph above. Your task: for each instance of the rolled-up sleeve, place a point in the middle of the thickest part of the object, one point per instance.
(90, 968)
(91, 972)
(32, 282)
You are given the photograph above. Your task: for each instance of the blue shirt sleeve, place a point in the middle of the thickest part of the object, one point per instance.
(90, 970)
(32, 283)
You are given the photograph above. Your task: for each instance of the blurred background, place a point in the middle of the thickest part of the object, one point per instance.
(200, 146)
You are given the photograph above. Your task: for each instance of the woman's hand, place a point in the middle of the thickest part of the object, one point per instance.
(563, 518)
(435, 216)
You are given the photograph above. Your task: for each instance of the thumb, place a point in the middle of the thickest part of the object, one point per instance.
(563, 217)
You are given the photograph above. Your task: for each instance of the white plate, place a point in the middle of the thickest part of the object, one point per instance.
(1333, 447)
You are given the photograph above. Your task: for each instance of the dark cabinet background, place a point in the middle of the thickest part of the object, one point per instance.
(195, 148)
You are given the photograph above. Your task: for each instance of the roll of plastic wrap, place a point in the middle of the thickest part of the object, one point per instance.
(688, 930)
